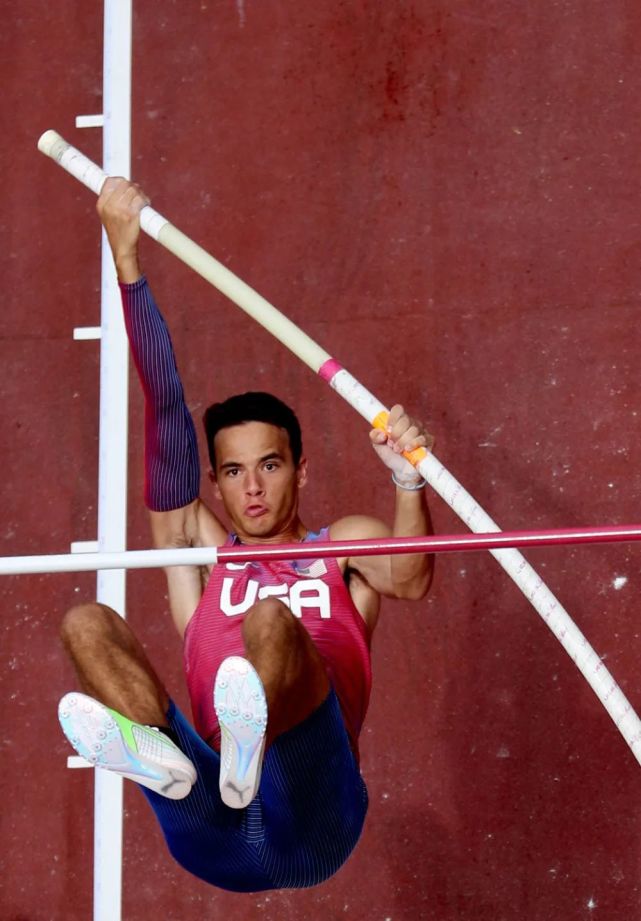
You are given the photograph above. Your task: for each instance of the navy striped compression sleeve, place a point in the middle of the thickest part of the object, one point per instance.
(172, 469)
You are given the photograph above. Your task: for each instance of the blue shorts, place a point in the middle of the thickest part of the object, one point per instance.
(301, 827)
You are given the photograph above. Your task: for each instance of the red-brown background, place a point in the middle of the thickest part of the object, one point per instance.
(446, 196)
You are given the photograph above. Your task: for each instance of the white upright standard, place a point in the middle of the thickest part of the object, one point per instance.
(112, 471)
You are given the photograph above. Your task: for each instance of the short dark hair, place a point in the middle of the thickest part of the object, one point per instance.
(254, 406)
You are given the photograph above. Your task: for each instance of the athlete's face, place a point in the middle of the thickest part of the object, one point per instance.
(257, 480)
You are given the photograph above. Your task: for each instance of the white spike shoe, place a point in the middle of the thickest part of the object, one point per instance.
(241, 708)
(110, 741)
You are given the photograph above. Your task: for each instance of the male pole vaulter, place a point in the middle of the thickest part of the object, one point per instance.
(266, 793)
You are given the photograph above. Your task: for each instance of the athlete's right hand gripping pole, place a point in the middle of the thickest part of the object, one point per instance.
(467, 509)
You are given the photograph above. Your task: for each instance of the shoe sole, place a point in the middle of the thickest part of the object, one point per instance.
(94, 733)
(241, 708)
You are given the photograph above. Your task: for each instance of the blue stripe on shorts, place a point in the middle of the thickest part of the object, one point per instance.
(299, 830)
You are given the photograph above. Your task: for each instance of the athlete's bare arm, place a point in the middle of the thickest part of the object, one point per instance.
(192, 525)
(407, 576)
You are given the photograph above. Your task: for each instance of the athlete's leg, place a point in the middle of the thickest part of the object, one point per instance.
(111, 664)
(288, 663)
(313, 798)
(112, 723)
(280, 681)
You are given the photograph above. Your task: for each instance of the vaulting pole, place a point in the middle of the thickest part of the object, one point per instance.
(516, 566)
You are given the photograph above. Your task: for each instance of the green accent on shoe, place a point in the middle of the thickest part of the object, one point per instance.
(125, 725)
(113, 742)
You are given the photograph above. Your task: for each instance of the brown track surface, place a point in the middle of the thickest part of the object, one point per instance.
(446, 196)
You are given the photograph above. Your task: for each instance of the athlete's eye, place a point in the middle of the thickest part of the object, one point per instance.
(233, 471)
(270, 465)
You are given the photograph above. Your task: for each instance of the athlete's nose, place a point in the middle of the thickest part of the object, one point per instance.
(254, 484)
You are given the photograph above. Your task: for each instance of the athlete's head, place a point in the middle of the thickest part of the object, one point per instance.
(255, 448)
(254, 406)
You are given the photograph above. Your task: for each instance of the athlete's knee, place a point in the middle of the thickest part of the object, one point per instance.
(83, 621)
(268, 619)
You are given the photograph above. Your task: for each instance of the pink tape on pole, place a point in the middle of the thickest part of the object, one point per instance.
(329, 369)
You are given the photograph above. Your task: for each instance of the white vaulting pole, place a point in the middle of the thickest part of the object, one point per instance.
(530, 583)
(112, 467)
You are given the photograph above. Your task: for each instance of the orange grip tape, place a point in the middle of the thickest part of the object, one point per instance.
(415, 456)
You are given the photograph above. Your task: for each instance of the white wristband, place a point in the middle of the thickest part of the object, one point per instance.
(413, 488)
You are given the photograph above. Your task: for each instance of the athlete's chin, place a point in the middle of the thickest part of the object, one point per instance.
(262, 527)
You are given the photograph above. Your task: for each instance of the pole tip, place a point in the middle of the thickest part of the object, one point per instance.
(49, 142)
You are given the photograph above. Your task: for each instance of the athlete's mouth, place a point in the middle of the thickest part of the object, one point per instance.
(255, 511)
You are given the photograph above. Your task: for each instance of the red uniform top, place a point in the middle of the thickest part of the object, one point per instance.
(314, 590)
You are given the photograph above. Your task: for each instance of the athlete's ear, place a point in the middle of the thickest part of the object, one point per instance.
(214, 483)
(301, 472)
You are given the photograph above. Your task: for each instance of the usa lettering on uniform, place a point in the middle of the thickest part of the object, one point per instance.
(304, 594)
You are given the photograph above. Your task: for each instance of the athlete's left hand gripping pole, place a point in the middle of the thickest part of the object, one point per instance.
(516, 566)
